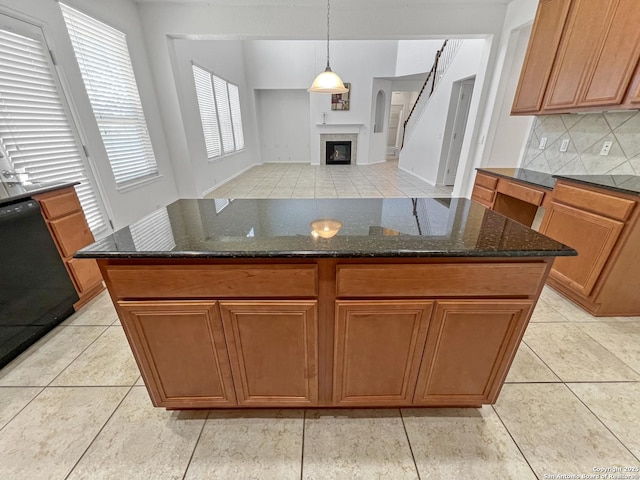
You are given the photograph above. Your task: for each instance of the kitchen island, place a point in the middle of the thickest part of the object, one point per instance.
(324, 302)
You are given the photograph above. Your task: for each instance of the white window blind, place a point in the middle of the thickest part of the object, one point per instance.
(153, 233)
(219, 104)
(207, 106)
(103, 57)
(35, 130)
(224, 114)
(236, 117)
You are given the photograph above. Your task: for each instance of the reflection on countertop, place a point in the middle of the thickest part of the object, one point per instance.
(389, 227)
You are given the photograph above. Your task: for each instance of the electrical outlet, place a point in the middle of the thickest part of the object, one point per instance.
(543, 143)
(606, 146)
(565, 145)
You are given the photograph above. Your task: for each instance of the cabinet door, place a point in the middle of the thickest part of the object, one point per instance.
(616, 59)
(583, 37)
(378, 347)
(592, 235)
(273, 349)
(538, 62)
(71, 233)
(181, 352)
(469, 349)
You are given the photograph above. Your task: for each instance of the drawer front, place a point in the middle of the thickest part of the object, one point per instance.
(521, 192)
(486, 181)
(71, 233)
(85, 273)
(60, 205)
(440, 280)
(483, 195)
(607, 205)
(220, 281)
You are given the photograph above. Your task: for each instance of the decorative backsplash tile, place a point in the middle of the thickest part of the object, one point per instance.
(586, 134)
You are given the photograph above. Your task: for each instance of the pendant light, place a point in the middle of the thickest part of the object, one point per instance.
(327, 81)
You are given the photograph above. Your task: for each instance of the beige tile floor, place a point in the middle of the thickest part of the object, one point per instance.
(73, 406)
(298, 180)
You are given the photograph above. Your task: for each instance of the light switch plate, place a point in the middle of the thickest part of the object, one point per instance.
(565, 145)
(606, 146)
(543, 143)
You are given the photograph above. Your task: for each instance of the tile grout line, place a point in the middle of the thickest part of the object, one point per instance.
(514, 441)
(25, 406)
(413, 457)
(543, 362)
(607, 349)
(99, 432)
(602, 422)
(304, 425)
(195, 446)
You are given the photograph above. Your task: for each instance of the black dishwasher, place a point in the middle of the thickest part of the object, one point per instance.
(36, 292)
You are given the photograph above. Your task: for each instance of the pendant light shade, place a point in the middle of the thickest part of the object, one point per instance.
(328, 81)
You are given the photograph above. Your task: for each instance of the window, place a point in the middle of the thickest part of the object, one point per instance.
(36, 134)
(103, 57)
(219, 104)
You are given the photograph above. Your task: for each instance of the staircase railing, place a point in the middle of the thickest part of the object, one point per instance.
(443, 59)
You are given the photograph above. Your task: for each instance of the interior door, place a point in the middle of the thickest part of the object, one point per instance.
(459, 127)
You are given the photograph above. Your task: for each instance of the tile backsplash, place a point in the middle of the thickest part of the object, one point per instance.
(586, 134)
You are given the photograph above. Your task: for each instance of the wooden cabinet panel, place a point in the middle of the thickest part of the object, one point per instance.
(483, 195)
(521, 192)
(486, 181)
(222, 281)
(378, 347)
(469, 349)
(273, 349)
(439, 280)
(180, 350)
(594, 238)
(63, 203)
(536, 69)
(582, 38)
(597, 202)
(617, 57)
(85, 273)
(71, 233)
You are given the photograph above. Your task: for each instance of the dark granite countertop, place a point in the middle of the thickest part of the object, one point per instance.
(12, 192)
(619, 183)
(539, 179)
(390, 227)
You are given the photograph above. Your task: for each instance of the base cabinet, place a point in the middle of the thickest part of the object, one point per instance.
(469, 349)
(378, 349)
(273, 351)
(181, 352)
(380, 333)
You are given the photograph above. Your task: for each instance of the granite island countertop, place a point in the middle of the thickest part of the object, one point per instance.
(273, 228)
(12, 192)
(619, 183)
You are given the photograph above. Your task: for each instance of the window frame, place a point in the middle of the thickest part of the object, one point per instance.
(233, 132)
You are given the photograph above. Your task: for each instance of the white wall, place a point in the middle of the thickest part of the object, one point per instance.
(519, 13)
(505, 148)
(423, 146)
(224, 58)
(349, 21)
(415, 56)
(124, 207)
(283, 125)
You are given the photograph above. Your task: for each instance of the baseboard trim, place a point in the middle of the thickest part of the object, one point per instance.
(218, 185)
(417, 176)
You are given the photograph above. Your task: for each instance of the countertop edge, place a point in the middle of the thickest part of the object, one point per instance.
(21, 196)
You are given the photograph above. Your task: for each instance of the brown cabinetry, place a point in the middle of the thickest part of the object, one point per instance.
(273, 351)
(181, 351)
(65, 219)
(351, 334)
(378, 349)
(591, 66)
(469, 349)
(603, 226)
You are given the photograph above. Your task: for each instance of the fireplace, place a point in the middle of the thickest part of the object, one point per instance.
(338, 153)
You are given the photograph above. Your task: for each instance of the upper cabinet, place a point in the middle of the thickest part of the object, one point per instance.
(582, 56)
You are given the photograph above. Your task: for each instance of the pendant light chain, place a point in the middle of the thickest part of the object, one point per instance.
(329, 68)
